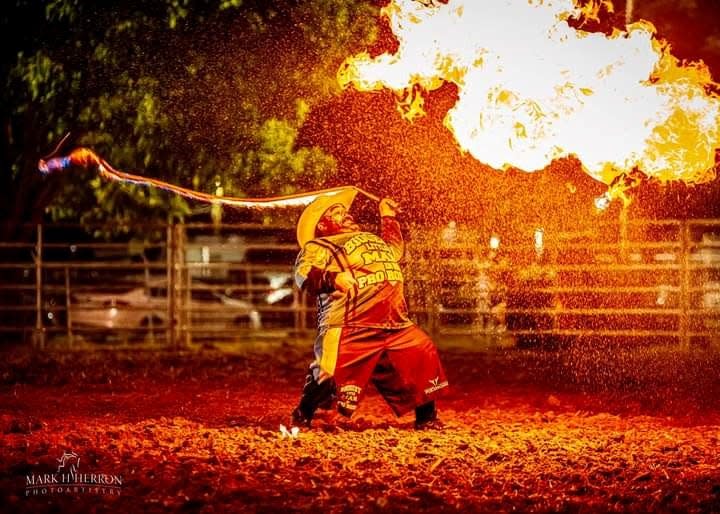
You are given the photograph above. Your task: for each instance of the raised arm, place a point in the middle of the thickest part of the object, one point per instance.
(390, 228)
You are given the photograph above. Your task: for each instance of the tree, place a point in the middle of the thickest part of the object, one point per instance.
(195, 92)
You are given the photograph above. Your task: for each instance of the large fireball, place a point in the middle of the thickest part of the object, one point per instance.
(532, 88)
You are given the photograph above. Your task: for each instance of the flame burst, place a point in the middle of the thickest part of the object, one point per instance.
(532, 88)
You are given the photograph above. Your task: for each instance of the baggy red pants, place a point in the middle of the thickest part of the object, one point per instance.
(403, 364)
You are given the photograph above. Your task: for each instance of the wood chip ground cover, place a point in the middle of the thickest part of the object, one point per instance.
(524, 431)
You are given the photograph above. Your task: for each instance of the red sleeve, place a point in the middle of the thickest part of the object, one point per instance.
(390, 233)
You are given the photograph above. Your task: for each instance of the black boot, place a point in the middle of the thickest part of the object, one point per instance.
(314, 395)
(426, 417)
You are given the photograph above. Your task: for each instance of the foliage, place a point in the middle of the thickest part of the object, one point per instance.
(201, 93)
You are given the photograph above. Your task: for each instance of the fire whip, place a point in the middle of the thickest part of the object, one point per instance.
(84, 157)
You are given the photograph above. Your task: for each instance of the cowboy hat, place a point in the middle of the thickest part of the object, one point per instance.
(311, 215)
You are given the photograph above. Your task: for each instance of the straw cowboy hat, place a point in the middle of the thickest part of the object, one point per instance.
(311, 215)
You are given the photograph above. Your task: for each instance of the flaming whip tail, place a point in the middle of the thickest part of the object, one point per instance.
(84, 157)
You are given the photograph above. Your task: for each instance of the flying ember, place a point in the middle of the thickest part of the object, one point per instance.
(532, 88)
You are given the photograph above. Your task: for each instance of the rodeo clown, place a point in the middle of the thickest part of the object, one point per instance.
(364, 332)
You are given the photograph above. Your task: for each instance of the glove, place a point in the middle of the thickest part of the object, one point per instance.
(344, 281)
(389, 207)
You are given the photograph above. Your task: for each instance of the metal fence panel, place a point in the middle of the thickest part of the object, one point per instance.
(641, 280)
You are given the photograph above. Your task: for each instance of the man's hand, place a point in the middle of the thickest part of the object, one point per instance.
(344, 281)
(389, 207)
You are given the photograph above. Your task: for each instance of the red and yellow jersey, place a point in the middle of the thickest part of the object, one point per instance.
(378, 299)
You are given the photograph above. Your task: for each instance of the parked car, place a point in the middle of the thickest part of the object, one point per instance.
(279, 289)
(141, 308)
(272, 292)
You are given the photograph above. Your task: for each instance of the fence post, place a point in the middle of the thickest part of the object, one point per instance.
(186, 286)
(170, 285)
(432, 303)
(685, 285)
(39, 338)
(623, 229)
(304, 311)
(181, 288)
(179, 320)
(297, 311)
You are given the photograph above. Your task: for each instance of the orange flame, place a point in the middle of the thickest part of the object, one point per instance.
(532, 88)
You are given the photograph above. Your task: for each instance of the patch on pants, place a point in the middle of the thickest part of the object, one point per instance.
(348, 398)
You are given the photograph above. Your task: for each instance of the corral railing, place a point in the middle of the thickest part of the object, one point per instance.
(637, 280)
(651, 280)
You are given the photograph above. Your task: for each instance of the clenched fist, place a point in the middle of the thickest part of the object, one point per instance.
(389, 207)
(344, 281)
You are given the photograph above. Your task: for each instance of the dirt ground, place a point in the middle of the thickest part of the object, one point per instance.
(576, 430)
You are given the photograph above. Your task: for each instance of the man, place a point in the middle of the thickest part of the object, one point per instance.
(364, 332)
